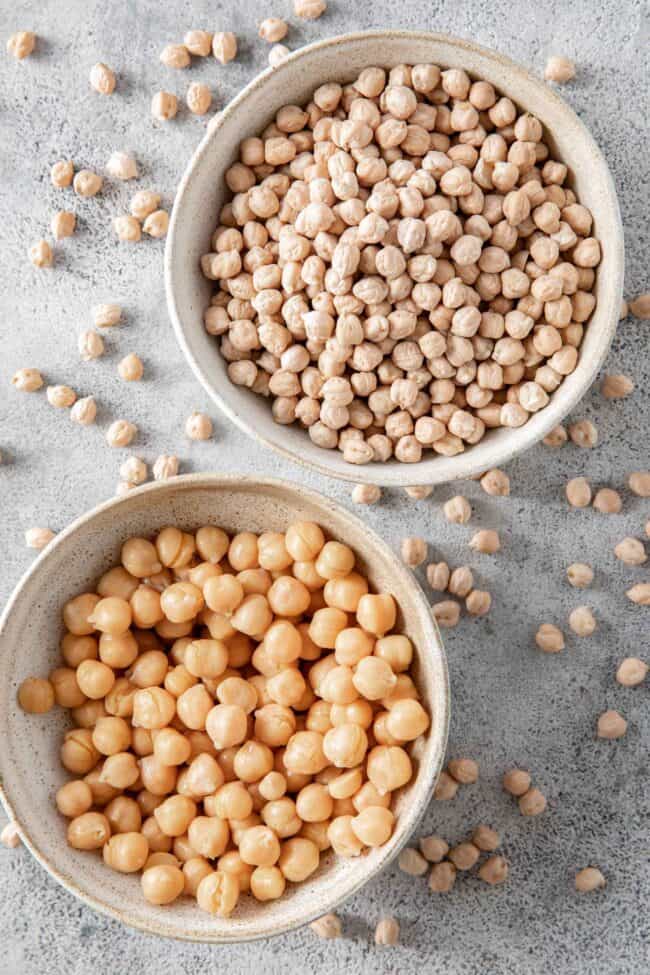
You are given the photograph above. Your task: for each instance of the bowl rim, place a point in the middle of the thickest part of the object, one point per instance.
(430, 774)
(467, 463)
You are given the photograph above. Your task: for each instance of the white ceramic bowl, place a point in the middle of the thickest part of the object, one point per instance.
(201, 194)
(30, 630)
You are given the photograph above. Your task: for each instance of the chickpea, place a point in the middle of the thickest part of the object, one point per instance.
(631, 672)
(377, 613)
(389, 768)
(218, 893)
(90, 831)
(267, 883)
(36, 695)
(124, 815)
(342, 837)
(74, 798)
(162, 883)
(373, 678)
(253, 761)
(433, 848)
(589, 879)
(304, 541)
(412, 863)
(494, 870)
(532, 803)
(126, 852)
(111, 735)
(516, 781)
(328, 926)
(611, 724)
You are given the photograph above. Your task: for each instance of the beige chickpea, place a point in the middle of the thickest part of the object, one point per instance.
(639, 483)
(549, 638)
(389, 767)
(581, 621)
(442, 877)
(193, 707)
(446, 613)
(164, 106)
(89, 831)
(126, 852)
(62, 173)
(36, 695)
(272, 29)
(143, 203)
(27, 380)
(611, 724)
(631, 551)
(162, 883)
(61, 397)
(21, 44)
(74, 798)
(198, 98)
(86, 183)
(457, 510)
(532, 803)
(578, 492)
(218, 893)
(156, 224)
(63, 224)
(433, 848)
(412, 862)
(486, 541)
(631, 672)
(607, 501)
(589, 879)
(342, 837)
(198, 42)
(373, 678)
(224, 47)
(616, 386)
(267, 883)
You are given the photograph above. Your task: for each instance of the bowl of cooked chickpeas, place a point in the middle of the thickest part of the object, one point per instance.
(223, 707)
(396, 258)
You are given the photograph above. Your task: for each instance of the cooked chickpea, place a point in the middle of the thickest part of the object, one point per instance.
(36, 695)
(162, 883)
(589, 879)
(532, 803)
(89, 831)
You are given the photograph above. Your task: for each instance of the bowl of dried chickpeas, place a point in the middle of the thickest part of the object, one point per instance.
(396, 258)
(223, 707)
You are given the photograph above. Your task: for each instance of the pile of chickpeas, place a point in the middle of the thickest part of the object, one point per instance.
(401, 266)
(240, 705)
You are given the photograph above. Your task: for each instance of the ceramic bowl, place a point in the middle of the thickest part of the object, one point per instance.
(30, 630)
(201, 194)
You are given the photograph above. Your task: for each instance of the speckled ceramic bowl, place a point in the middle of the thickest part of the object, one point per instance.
(201, 195)
(30, 631)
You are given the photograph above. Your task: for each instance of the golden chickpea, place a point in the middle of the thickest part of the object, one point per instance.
(345, 593)
(223, 593)
(218, 893)
(171, 747)
(88, 714)
(253, 761)
(412, 863)
(209, 836)
(351, 645)
(342, 837)
(272, 786)
(373, 678)
(149, 669)
(232, 801)
(74, 649)
(396, 650)
(124, 816)
(74, 798)
(212, 543)
(203, 776)
(274, 724)
(181, 602)
(335, 560)
(377, 613)
(175, 814)
(389, 767)
(126, 852)
(67, 692)
(516, 781)
(304, 753)
(206, 658)
(89, 831)
(325, 626)
(280, 815)
(373, 825)
(153, 707)
(158, 779)
(111, 615)
(102, 792)
(36, 695)
(283, 643)
(314, 803)
(193, 707)
(304, 540)
(119, 701)
(194, 870)
(77, 613)
(120, 770)
(589, 879)
(299, 859)
(346, 745)
(267, 883)
(343, 786)
(111, 735)
(407, 720)
(253, 617)
(160, 858)
(227, 725)
(288, 596)
(95, 679)
(162, 883)
(243, 551)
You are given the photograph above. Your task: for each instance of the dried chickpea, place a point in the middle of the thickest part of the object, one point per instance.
(589, 879)
(494, 870)
(559, 69)
(442, 877)
(464, 770)
(611, 724)
(164, 106)
(102, 79)
(532, 803)
(224, 47)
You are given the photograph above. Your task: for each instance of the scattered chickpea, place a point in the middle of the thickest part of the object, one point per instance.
(639, 594)
(608, 501)
(631, 672)
(433, 848)
(84, 411)
(224, 47)
(556, 438)
(589, 879)
(87, 183)
(486, 838)
(457, 510)
(438, 576)
(175, 56)
(446, 787)
(62, 173)
(27, 380)
(583, 433)
(156, 224)
(580, 575)
(40, 254)
(143, 203)
(478, 602)
(419, 492)
(611, 724)
(63, 224)
(412, 862)
(102, 78)
(617, 386)
(272, 29)
(516, 781)
(461, 581)
(366, 493)
(21, 44)
(198, 426)
(91, 345)
(277, 54)
(446, 613)
(496, 483)
(164, 467)
(38, 537)
(549, 638)
(122, 166)
(130, 368)
(442, 877)
(532, 803)
(582, 622)
(639, 483)
(631, 551)
(120, 433)
(559, 69)
(640, 307)
(198, 42)
(10, 837)
(494, 870)
(198, 98)
(328, 927)
(413, 551)
(309, 9)
(127, 228)
(164, 106)
(578, 492)
(107, 315)
(387, 930)
(464, 855)
(60, 396)
(463, 770)
(486, 541)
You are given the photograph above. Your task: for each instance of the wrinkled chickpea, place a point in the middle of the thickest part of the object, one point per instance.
(224, 47)
(549, 638)
(38, 537)
(130, 368)
(272, 29)
(578, 492)
(63, 224)
(589, 879)
(84, 411)
(631, 672)
(328, 926)
(165, 466)
(631, 551)
(611, 724)
(198, 426)
(164, 106)
(559, 69)
(582, 622)
(40, 254)
(413, 551)
(366, 494)
(580, 575)
(102, 78)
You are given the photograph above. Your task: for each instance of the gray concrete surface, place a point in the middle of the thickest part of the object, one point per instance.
(511, 704)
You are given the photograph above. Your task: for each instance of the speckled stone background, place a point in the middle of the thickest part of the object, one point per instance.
(511, 704)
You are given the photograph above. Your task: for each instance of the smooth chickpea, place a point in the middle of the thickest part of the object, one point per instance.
(77, 613)
(407, 720)
(267, 883)
(181, 602)
(342, 837)
(325, 626)
(389, 768)
(95, 679)
(259, 846)
(253, 761)
(299, 859)
(373, 678)
(208, 836)
(335, 560)
(304, 541)
(162, 883)
(158, 779)
(345, 746)
(67, 692)
(124, 816)
(126, 852)
(89, 831)
(304, 753)
(74, 798)
(193, 707)
(36, 695)
(74, 649)
(227, 725)
(373, 825)
(377, 613)
(111, 735)
(120, 770)
(153, 707)
(175, 814)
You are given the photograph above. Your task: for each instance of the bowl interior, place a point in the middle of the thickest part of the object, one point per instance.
(201, 194)
(29, 636)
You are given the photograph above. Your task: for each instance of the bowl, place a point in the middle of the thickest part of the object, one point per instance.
(201, 193)
(30, 630)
